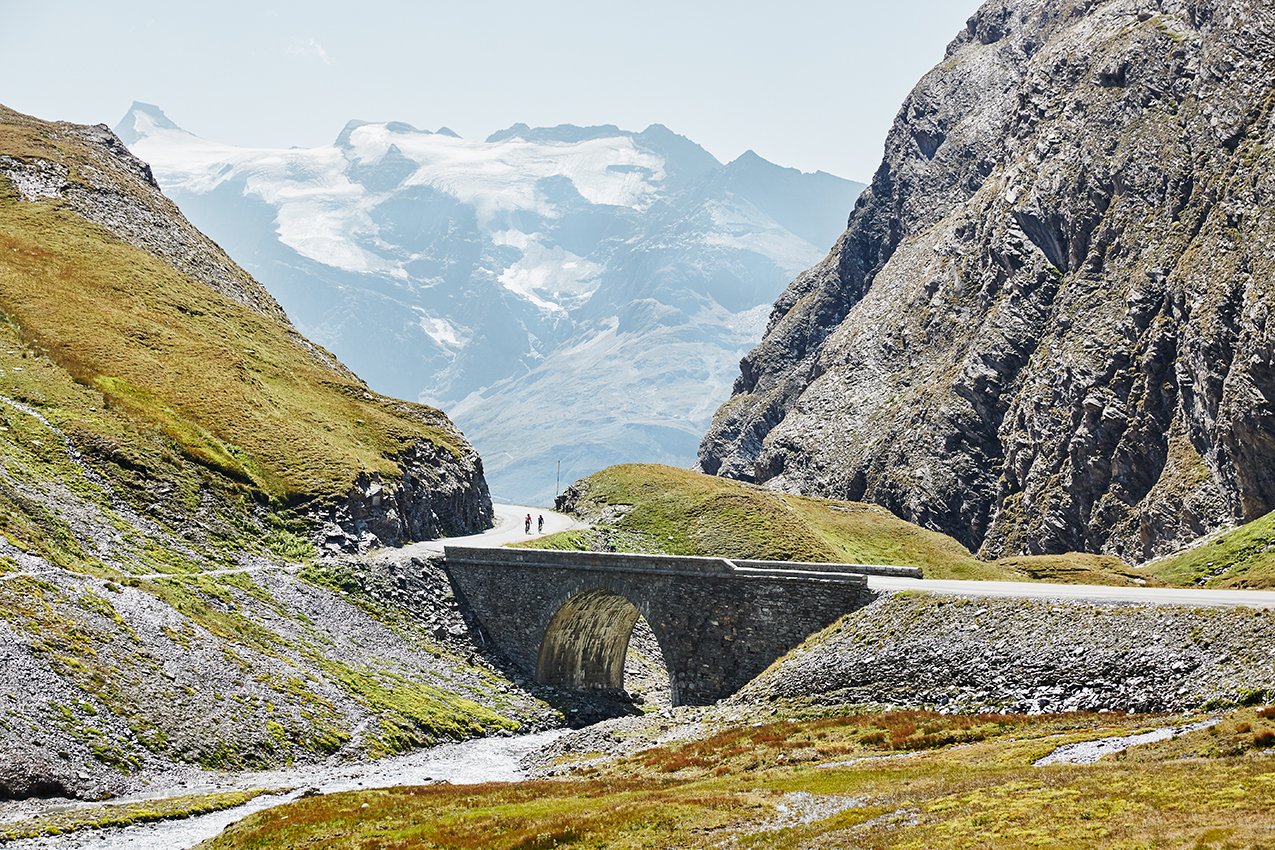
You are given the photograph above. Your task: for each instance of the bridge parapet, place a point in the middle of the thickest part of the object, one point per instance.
(690, 565)
(565, 617)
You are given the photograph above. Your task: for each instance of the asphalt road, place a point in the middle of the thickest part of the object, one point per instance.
(1186, 596)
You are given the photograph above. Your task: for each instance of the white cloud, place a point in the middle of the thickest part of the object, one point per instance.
(308, 47)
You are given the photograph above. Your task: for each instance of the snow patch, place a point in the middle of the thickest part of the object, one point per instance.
(550, 277)
(441, 331)
(323, 215)
(741, 226)
(503, 177)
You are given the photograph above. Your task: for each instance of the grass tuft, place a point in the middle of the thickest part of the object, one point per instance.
(1241, 558)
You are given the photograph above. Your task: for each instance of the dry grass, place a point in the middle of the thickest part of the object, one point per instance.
(950, 782)
(231, 388)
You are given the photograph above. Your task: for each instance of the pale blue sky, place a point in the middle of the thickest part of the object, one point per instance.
(807, 83)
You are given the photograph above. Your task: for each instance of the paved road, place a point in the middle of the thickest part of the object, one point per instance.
(509, 529)
(1082, 592)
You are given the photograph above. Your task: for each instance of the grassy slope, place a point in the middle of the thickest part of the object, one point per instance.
(649, 508)
(229, 388)
(197, 424)
(1242, 557)
(954, 781)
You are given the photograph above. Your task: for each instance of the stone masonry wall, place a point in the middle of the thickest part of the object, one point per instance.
(718, 626)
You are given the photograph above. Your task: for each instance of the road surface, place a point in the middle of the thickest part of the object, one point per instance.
(509, 529)
(1191, 597)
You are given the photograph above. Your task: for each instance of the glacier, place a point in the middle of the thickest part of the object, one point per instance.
(568, 294)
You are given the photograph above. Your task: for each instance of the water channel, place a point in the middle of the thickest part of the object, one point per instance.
(465, 763)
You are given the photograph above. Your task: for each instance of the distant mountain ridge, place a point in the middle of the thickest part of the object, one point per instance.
(568, 293)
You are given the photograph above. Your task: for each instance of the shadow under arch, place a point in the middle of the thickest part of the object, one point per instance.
(586, 642)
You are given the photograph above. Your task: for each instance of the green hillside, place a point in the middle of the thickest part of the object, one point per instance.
(1242, 557)
(651, 508)
(165, 384)
(170, 447)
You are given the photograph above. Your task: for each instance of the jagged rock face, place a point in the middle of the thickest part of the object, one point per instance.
(437, 496)
(1045, 328)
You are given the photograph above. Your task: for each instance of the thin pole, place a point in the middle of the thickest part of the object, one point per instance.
(557, 487)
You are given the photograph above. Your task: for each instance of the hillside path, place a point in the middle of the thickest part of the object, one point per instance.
(1184, 596)
(508, 529)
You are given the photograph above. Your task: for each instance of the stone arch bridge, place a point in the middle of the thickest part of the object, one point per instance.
(565, 617)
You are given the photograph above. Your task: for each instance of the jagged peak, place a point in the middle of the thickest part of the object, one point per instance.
(142, 120)
(404, 127)
(750, 157)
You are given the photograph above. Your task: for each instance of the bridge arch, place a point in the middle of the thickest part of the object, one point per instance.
(566, 618)
(586, 641)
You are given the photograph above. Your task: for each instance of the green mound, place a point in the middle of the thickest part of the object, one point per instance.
(660, 509)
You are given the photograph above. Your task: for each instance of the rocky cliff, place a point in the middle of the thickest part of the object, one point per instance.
(1046, 325)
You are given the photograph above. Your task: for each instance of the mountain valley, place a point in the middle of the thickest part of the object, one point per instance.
(979, 551)
(573, 294)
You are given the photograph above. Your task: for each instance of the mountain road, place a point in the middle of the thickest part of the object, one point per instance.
(1184, 596)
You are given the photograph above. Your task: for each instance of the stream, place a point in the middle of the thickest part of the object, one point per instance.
(465, 763)
(1088, 752)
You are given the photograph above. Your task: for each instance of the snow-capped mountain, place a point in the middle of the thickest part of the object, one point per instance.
(580, 294)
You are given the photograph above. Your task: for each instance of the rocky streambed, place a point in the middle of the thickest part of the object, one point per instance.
(496, 759)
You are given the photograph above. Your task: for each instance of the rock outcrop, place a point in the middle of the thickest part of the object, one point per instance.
(1046, 327)
(435, 495)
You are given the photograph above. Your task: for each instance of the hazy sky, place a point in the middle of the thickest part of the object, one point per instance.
(807, 83)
